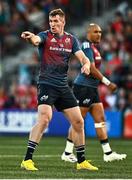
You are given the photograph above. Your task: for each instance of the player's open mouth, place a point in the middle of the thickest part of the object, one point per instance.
(53, 29)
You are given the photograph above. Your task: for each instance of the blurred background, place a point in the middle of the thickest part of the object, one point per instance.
(19, 61)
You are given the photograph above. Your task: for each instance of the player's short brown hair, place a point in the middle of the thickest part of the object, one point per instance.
(57, 12)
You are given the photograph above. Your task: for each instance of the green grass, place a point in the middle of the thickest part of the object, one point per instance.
(47, 158)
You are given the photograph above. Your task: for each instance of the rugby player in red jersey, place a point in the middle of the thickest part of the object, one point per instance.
(55, 49)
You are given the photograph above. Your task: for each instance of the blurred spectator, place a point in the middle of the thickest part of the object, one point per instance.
(10, 102)
(121, 99)
(129, 16)
(3, 97)
(128, 108)
(36, 17)
(117, 24)
(113, 63)
(24, 75)
(102, 94)
(111, 100)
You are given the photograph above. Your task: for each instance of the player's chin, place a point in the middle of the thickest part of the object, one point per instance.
(98, 41)
(53, 31)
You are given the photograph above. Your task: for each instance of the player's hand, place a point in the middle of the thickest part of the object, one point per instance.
(85, 69)
(112, 87)
(26, 35)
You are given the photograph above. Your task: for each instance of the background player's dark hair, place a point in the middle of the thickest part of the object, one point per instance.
(57, 12)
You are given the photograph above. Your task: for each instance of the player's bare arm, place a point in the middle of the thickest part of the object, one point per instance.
(84, 61)
(112, 87)
(97, 74)
(31, 37)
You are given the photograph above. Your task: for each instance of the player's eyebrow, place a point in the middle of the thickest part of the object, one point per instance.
(97, 31)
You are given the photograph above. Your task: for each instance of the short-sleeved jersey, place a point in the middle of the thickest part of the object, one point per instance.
(94, 56)
(54, 54)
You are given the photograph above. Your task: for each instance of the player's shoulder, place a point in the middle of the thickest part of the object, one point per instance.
(86, 45)
(43, 33)
(70, 35)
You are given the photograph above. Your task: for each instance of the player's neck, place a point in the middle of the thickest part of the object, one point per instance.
(58, 35)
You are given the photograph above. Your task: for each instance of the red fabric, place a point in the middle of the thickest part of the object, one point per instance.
(128, 126)
(117, 26)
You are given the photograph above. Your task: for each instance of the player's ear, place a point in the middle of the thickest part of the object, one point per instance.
(64, 22)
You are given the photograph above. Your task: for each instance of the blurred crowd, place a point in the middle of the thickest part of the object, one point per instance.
(18, 15)
(116, 49)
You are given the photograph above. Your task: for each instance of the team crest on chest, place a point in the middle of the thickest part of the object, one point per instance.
(67, 40)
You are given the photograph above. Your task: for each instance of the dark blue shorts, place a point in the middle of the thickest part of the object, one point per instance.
(61, 97)
(86, 96)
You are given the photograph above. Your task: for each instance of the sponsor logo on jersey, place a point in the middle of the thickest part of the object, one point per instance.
(60, 49)
(53, 40)
(67, 40)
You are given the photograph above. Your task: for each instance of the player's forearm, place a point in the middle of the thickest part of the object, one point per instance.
(97, 74)
(85, 66)
(82, 58)
(34, 40)
(85, 60)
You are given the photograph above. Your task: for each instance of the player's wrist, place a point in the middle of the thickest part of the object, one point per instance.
(105, 81)
(87, 64)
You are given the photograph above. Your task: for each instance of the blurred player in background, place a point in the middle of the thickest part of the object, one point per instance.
(55, 48)
(85, 90)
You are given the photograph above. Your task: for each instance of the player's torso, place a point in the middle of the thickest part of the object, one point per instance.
(55, 54)
(90, 81)
(57, 50)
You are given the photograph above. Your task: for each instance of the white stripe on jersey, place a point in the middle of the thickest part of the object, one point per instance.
(86, 45)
